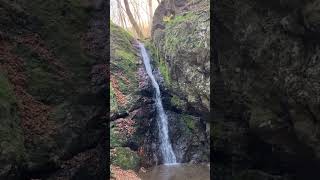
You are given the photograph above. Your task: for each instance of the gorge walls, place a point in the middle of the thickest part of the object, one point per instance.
(266, 94)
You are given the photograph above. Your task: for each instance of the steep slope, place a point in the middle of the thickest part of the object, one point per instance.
(124, 98)
(52, 88)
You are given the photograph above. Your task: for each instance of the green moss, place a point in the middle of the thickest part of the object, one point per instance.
(42, 79)
(123, 64)
(189, 16)
(121, 39)
(113, 100)
(116, 29)
(60, 25)
(159, 62)
(63, 23)
(125, 55)
(125, 158)
(183, 32)
(189, 121)
(123, 87)
(116, 140)
(177, 102)
(165, 72)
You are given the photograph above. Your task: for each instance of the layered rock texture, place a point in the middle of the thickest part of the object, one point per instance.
(266, 89)
(52, 89)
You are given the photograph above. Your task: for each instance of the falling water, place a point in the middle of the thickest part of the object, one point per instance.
(165, 145)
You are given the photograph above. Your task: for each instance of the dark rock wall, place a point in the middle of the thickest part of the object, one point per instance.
(53, 56)
(266, 92)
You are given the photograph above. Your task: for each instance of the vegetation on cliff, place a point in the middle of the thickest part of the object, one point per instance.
(183, 43)
(123, 96)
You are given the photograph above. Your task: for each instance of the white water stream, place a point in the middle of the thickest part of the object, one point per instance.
(165, 145)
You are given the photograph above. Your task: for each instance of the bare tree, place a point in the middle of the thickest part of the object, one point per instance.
(132, 20)
(150, 12)
(121, 14)
(137, 12)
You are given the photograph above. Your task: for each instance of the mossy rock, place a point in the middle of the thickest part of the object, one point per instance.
(165, 72)
(159, 62)
(178, 32)
(123, 67)
(184, 45)
(43, 82)
(12, 151)
(188, 121)
(116, 139)
(125, 158)
(61, 26)
(177, 102)
(113, 101)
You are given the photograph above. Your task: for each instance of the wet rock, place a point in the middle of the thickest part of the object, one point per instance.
(125, 158)
(188, 138)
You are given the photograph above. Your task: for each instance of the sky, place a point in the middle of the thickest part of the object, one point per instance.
(143, 9)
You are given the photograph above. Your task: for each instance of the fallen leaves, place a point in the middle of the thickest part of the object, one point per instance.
(121, 98)
(119, 174)
(125, 126)
(33, 113)
(34, 42)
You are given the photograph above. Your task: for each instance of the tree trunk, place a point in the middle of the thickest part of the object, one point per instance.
(132, 20)
(122, 14)
(150, 13)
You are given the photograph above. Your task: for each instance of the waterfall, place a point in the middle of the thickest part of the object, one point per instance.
(165, 145)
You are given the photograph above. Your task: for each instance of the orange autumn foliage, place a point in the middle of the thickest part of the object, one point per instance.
(121, 98)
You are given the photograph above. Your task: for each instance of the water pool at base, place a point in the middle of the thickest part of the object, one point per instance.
(177, 172)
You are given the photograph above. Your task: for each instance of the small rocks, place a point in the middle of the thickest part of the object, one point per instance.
(142, 170)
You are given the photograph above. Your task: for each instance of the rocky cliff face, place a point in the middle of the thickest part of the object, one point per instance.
(181, 34)
(266, 89)
(180, 50)
(52, 85)
(133, 126)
